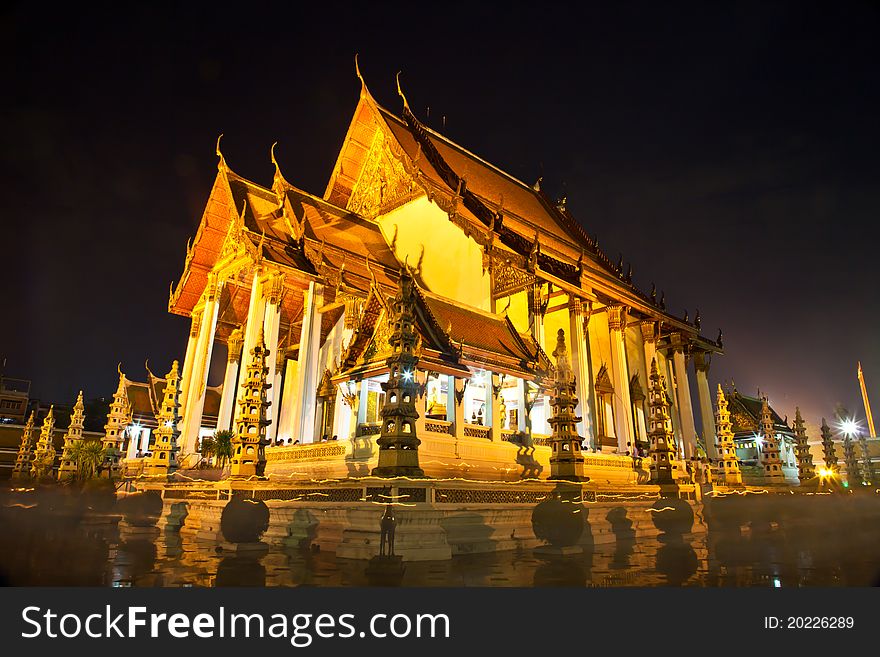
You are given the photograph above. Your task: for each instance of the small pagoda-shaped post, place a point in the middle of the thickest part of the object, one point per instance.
(566, 460)
(867, 466)
(398, 443)
(248, 456)
(662, 450)
(73, 436)
(726, 446)
(853, 470)
(806, 470)
(22, 467)
(118, 418)
(44, 455)
(829, 453)
(163, 456)
(770, 447)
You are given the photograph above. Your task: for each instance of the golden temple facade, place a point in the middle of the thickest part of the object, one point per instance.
(498, 270)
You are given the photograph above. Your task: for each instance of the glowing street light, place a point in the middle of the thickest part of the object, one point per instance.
(849, 427)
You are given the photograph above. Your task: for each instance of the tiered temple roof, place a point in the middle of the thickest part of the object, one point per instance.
(745, 414)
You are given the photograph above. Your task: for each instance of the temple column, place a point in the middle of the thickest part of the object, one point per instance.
(278, 385)
(188, 358)
(256, 308)
(521, 405)
(620, 378)
(649, 338)
(685, 407)
(272, 290)
(227, 398)
(195, 404)
(286, 411)
(363, 400)
(674, 413)
(580, 366)
(493, 407)
(354, 402)
(702, 360)
(307, 372)
(421, 401)
(456, 393)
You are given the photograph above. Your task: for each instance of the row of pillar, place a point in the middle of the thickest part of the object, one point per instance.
(296, 381)
(582, 366)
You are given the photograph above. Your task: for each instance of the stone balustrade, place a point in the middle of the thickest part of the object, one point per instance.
(477, 431)
(307, 452)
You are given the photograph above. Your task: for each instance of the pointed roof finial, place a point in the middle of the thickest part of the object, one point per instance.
(400, 92)
(278, 182)
(537, 185)
(221, 164)
(357, 71)
(272, 157)
(373, 282)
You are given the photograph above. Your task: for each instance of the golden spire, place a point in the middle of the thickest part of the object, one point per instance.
(866, 402)
(44, 455)
(68, 467)
(22, 466)
(120, 387)
(726, 445)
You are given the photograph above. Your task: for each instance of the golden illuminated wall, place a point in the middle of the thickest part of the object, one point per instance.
(453, 264)
(518, 311)
(555, 321)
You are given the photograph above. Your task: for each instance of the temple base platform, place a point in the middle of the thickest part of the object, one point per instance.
(436, 519)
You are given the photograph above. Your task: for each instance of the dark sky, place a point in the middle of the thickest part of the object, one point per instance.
(731, 154)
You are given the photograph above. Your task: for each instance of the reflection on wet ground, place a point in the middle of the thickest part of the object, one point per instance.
(62, 545)
(686, 560)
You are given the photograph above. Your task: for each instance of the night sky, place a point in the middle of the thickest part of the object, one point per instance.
(730, 154)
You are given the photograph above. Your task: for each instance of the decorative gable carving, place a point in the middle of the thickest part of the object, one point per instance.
(384, 181)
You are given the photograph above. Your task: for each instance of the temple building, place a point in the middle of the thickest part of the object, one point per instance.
(746, 415)
(497, 269)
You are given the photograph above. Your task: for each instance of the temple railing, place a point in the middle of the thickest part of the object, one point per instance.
(372, 429)
(438, 426)
(133, 467)
(477, 431)
(307, 452)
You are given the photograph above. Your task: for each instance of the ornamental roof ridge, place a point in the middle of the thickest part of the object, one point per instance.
(458, 146)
